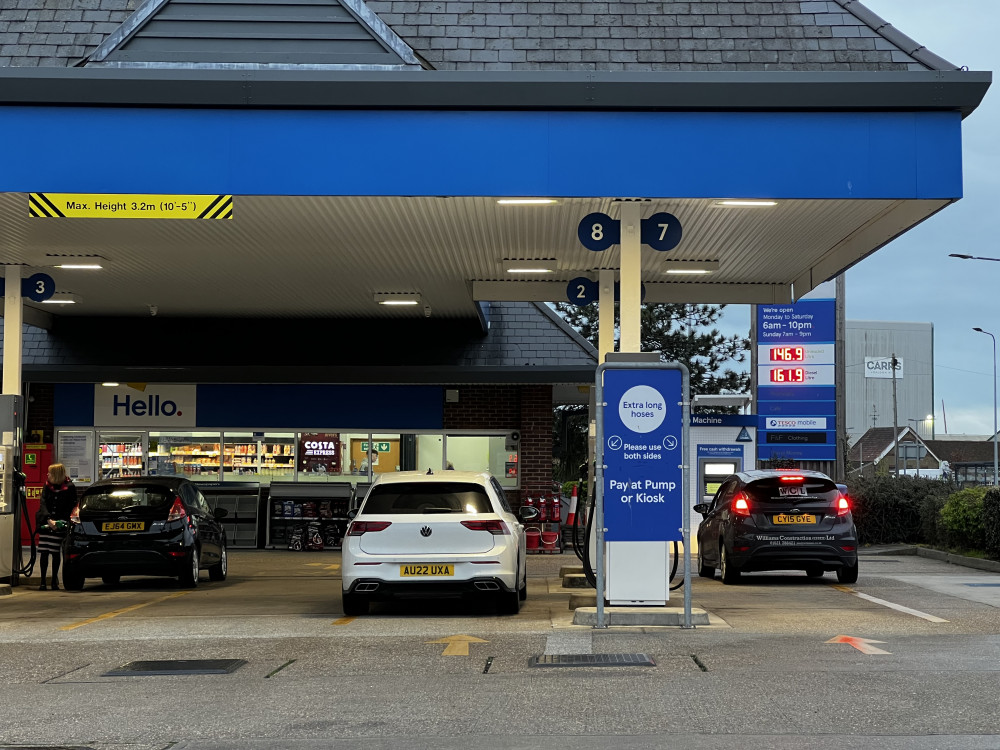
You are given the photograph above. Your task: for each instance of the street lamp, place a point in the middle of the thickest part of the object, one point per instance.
(996, 472)
(970, 257)
(928, 418)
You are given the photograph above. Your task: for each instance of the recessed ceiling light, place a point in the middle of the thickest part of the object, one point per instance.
(62, 298)
(526, 201)
(690, 267)
(110, 385)
(520, 265)
(397, 298)
(746, 203)
(81, 266)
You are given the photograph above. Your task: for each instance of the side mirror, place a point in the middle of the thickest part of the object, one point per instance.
(220, 513)
(701, 508)
(352, 514)
(528, 513)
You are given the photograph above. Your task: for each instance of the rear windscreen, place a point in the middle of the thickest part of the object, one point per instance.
(126, 498)
(774, 490)
(427, 497)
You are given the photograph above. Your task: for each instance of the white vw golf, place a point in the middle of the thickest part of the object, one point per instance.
(449, 534)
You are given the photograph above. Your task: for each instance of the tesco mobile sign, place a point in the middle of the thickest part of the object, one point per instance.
(145, 405)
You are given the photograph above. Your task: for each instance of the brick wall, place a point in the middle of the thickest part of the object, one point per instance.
(526, 409)
(40, 411)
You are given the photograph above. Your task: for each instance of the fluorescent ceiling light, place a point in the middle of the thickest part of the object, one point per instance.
(519, 265)
(526, 201)
(110, 385)
(81, 266)
(62, 298)
(397, 298)
(746, 203)
(690, 267)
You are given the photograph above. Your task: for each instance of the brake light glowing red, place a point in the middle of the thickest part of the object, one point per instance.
(843, 506)
(741, 505)
(177, 511)
(74, 515)
(792, 478)
(357, 528)
(495, 526)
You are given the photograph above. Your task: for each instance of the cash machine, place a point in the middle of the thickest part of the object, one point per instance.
(10, 442)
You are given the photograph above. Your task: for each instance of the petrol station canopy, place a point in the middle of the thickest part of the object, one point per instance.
(368, 161)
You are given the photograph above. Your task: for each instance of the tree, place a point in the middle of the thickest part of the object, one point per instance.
(681, 332)
(684, 333)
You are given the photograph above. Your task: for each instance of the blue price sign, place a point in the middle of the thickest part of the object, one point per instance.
(581, 291)
(598, 232)
(661, 232)
(643, 452)
(38, 287)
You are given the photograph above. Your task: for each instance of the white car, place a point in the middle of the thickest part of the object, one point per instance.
(449, 533)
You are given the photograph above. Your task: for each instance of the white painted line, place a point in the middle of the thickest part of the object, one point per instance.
(891, 605)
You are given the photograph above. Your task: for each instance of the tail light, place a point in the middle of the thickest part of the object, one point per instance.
(357, 528)
(74, 516)
(741, 505)
(843, 506)
(495, 527)
(177, 511)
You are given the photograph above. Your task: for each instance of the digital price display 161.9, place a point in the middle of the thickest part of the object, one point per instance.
(788, 375)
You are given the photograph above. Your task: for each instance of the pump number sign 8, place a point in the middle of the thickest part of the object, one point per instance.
(643, 453)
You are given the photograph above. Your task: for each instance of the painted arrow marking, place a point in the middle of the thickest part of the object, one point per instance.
(458, 645)
(861, 644)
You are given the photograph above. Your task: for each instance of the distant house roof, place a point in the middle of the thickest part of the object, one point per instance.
(724, 35)
(962, 451)
(879, 442)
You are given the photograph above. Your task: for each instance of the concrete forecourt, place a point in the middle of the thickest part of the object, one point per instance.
(902, 658)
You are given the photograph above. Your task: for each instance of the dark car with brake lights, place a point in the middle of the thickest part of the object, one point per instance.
(778, 520)
(147, 525)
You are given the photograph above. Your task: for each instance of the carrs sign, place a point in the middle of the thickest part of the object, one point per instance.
(881, 367)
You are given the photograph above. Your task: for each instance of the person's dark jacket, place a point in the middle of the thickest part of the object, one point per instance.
(57, 503)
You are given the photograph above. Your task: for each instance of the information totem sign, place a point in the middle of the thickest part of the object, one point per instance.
(643, 431)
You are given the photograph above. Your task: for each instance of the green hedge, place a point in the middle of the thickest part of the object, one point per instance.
(962, 516)
(991, 523)
(907, 510)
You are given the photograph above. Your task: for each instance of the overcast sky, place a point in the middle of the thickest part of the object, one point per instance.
(912, 279)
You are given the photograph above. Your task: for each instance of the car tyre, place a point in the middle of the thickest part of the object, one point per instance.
(848, 574)
(72, 581)
(522, 592)
(705, 571)
(111, 580)
(730, 573)
(219, 571)
(814, 572)
(510, 602)
(354, 605)
(189, 577)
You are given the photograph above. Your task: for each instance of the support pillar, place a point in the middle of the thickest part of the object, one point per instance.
(631, 277)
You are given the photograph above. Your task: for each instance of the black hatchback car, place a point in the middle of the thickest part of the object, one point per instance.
(148, 525)
(778, 520)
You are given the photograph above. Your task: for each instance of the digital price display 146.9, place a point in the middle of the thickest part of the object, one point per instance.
(788, 375)
(788, 353)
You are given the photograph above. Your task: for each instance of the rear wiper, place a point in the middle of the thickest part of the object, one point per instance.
(437, 510)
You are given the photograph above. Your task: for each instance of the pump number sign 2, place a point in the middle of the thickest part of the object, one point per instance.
(643, 453)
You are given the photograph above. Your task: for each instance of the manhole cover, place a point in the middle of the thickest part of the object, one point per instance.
(177, 666)
(592, 660)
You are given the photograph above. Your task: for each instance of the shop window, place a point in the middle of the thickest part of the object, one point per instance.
(321, 457)
(121, 454)
(496, 454)
(195, 455)
(277, 457)
(241, 457)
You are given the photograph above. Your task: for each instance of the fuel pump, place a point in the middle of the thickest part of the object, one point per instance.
(10, 488)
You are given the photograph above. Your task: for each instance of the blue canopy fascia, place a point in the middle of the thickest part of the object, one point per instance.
(781, 155)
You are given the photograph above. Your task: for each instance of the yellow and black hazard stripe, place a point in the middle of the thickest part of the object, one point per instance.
(40, 206)
(220, 208)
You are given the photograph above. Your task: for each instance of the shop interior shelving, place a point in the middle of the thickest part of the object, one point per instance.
(326, 504)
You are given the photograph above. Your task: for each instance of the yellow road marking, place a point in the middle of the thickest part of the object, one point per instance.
(334, 566)
(458, 645)
(123, 610)
(344, 621)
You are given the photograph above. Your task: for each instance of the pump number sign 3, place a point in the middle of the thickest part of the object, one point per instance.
(643, 453)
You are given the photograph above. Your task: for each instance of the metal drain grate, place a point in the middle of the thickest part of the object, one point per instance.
(177, 666)
(984, 585)
(591, 660)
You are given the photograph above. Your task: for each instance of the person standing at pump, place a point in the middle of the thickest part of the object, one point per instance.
(58, 501)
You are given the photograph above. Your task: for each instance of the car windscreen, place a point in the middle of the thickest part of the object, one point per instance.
(126, 498)
(789, 489)
(427, 497)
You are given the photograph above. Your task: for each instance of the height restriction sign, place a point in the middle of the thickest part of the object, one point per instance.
(643, 431)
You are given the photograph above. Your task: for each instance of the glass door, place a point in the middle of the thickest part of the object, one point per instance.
(121, 454)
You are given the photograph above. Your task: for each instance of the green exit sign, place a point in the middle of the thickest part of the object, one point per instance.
(379, 447)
